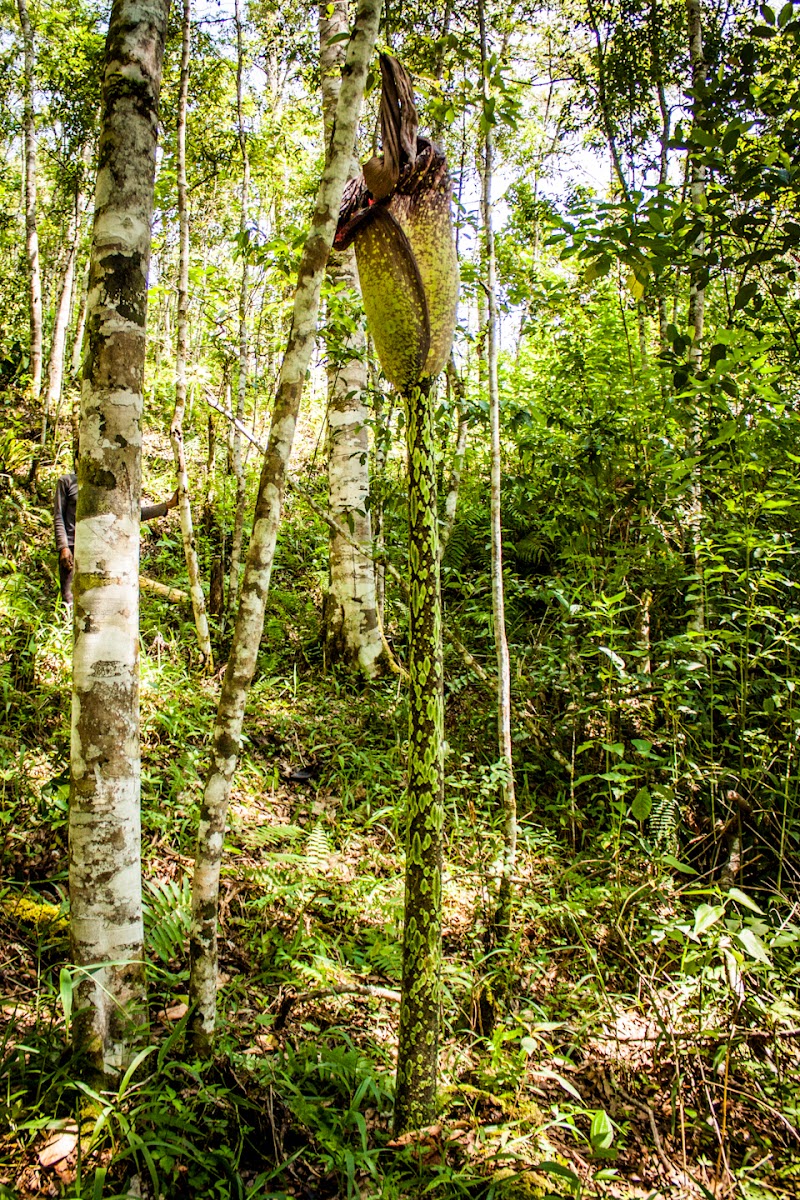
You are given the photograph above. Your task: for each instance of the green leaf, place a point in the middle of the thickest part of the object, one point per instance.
(555, 1168)
(745, 295)
(65, 992)
(564, 1083)
(601, 1133)
(642, 804)
(635, 286)
(740, 898)
(597, 268)
(673, 862)
(753, 945)
(707, 915)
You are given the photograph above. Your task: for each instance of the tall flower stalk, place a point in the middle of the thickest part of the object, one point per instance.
(398, 216)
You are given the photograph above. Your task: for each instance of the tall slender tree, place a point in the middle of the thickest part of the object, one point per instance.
(31, 229)
(104, 819)
(176, 428)
(352, 632)
(502, 918)
(261, 552)
(244, 350)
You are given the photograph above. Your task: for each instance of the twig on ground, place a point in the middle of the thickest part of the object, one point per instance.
(348, 989)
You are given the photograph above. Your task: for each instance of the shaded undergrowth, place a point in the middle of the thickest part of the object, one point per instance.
(642, 1033)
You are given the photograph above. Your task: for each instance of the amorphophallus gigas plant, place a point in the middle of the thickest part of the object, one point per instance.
(398, 216)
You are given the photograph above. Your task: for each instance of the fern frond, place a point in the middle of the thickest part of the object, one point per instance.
(317, 851)
(167, 911)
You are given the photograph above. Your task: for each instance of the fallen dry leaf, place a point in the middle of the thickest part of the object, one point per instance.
(176, 1012)
(57, 1148)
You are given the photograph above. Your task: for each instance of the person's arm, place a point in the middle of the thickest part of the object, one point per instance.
(151, 511)
(62, 542)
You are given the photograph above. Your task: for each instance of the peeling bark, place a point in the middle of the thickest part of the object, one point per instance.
(176, 428)
(261, 551)
(104, 820)
(351, 629)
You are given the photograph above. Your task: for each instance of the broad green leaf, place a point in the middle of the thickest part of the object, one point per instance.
(673, 862)
(753, 945)
(741, 898)
(707, 915)
(601, 1133)
(635, 286)
(642, 804)
(734, 974)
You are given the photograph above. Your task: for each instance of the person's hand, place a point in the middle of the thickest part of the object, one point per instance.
(65, 556)
(173, 500)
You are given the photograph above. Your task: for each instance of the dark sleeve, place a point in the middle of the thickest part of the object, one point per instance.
(151, 511)
(62, 542)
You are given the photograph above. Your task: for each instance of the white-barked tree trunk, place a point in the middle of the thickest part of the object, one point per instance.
(104, 820)
(351, 629)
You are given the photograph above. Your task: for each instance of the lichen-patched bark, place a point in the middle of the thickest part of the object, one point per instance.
(261, 551)
(418, 1044)
(104, 820)
(350, 616)
(176, 428)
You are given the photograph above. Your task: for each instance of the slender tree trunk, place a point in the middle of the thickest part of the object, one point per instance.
(80, 325)
(696, 314)
(261, 551)
(104, 818)
(351, 629)
(31, 234)
(451, 499)
(381, 445)
(418, 1038)
(502, 918)
(214, 538)
(75, 363)
(241, 395)
(176, 429)
(55, 368)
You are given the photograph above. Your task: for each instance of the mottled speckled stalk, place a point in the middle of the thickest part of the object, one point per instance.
(417, 1055)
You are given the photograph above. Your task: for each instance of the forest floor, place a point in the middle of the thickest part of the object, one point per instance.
(619, 1048)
